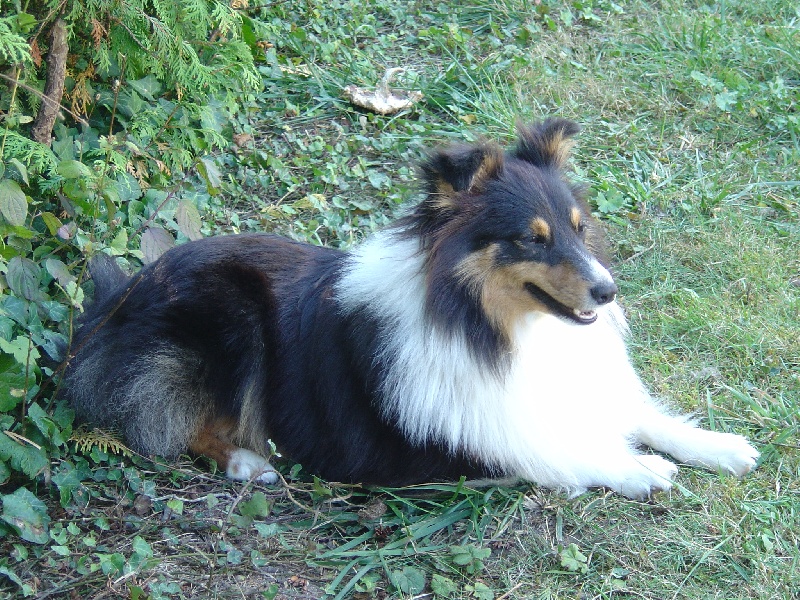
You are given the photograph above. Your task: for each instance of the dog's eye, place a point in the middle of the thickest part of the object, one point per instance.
(526, 242)
(539, 240)
(581, 227)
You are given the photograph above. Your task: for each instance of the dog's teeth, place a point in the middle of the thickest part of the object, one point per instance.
(584, 314)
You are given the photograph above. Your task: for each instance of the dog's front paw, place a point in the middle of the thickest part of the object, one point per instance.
(245, 464)
(651, 474)
(725, 452)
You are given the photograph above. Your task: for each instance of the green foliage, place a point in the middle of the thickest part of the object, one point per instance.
(14, 48)
(152, 89)
(469, 557)
(573, 559)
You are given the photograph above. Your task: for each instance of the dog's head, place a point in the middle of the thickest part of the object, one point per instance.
(511, 232)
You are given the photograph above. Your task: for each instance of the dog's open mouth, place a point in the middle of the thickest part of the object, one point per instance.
(584, 317)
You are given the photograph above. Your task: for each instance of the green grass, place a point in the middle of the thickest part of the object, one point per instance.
(690, 148)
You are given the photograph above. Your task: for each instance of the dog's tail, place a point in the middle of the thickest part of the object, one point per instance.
(106, 275)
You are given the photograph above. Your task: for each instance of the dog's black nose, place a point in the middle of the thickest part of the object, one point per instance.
(604, 293)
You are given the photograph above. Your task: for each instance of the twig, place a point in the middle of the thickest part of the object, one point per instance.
(508, 593)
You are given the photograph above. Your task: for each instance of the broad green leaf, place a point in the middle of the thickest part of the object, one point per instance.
(28, 460)
(23, 171)
(52, 222)
(111, 198)
(26, 22)
(20, 232)
(59, 271)
(443, 587)
(267, 530)
(573, 559)
(141, 547)
(13, 203)
(726, 101)
(481, 591)
(257, 506)
(409, 581)
(67, 480)
(27, 515)
(234, 556)
(248, 34)
(119, 245)
(155, 241)
(210, 174)
(23, 278)
(73, 169)
(128, 188)
(188, 219)
(149, 87)
(12, 386)
(26, 589)
(111, 563)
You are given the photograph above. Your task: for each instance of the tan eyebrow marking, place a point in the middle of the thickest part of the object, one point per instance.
(540, 227)
(575, 216)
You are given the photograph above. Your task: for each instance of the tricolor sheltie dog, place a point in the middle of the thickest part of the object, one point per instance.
(478, 336)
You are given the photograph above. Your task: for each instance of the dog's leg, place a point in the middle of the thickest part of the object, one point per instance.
(712, 450)
(636, 476)
(212, 441)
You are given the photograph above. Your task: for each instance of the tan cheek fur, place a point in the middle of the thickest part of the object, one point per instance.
(502, 292)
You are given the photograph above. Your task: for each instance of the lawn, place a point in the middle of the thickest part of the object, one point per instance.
(690, 151)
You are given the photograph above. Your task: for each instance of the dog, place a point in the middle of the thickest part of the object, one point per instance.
(478, 336)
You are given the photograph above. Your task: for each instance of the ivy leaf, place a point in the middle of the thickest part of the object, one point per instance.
(573, 559)
(155, 241)
(13, 203)
(67, 480)
(27, 515)
(73, 169)
(257, 506)
(409, 581)
(149, 87)
(141, 547)
(267, 530)
(175, 505)
(119, 245)
(188, 219)
(378, 179)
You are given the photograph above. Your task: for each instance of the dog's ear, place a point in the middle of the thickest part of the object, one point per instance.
(459, 169)
(546, 144)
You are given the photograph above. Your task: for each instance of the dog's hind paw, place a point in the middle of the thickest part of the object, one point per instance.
(653, 474)
(244, 465)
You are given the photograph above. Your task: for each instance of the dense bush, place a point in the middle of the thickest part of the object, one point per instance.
(150, 88)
